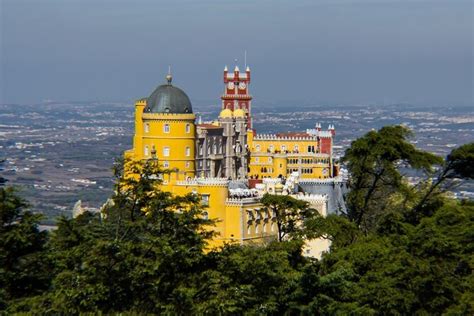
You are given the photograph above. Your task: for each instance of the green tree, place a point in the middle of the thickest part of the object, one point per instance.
(373, 161)
(250, 280)
(23, 266)
(141, 254)
(290, 213)
(458, 164)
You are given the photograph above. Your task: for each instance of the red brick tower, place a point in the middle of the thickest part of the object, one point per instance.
(236, 95)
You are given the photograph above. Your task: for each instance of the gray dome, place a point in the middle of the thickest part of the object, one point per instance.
(168, 99)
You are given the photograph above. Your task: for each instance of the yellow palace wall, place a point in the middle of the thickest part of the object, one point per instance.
(270, 158)
(168, 137)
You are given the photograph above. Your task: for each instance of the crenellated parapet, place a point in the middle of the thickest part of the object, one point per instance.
(224, 182)
(141, 101)
(313, 198)
(276, 138)
(241, 201)
(335, 180)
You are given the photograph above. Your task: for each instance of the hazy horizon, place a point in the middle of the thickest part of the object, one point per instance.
(341, 51)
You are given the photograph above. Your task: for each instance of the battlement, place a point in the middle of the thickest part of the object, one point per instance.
(313, 198)
(141, 101)
(204, 182)
(317, 133)
(335, 180)
(241, 201)
(275, 137)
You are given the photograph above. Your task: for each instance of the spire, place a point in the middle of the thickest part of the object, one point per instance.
(225, 68)
(169, 78)
(247, 69)
(236, 68)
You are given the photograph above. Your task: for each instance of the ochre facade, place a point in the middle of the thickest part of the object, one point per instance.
(226, 161)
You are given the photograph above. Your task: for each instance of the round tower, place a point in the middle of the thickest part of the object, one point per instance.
(168, 131)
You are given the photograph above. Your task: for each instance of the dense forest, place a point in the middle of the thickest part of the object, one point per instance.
(400, 249)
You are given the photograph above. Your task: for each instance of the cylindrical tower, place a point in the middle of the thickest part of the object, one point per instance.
(168, 131)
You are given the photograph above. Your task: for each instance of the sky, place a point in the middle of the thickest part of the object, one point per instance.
(313, 51)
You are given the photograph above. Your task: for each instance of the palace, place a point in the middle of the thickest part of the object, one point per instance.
(230, 165)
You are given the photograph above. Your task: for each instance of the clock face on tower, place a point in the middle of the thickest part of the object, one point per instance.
(242, 86)
(230, 85)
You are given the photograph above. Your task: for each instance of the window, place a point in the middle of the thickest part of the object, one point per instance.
(257, 229)
(188, 151)
(147, 128)
(264, 227)
(214, 149)
(249, 230)
(256, 159)
(205, 215)
(187, 164)
(146, 152)
(200, 150)
(296, 148)
(166, 128)
(257, 147)
(166, 164)
(166, 151)
(188, 128)
(270, 159)
(271, 148)
(283, 148)
(205, 199)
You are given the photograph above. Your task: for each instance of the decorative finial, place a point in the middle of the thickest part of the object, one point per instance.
(225, 68)
(169, 78)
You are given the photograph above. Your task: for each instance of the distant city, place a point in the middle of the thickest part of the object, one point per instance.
(59, 153)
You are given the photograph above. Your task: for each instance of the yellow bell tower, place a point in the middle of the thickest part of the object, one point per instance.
(165, 130)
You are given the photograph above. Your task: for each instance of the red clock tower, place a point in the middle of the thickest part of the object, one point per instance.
(236, 95)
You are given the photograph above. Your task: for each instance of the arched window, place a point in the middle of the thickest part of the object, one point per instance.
(257, 147)
(166, 151)
(188, 151)
(188, 128)
(147, 128)
(146, 152)
(166, 128)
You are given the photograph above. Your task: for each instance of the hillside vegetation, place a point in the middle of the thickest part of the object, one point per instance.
(399, 250)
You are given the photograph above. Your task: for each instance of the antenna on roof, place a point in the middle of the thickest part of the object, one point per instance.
(245, 58)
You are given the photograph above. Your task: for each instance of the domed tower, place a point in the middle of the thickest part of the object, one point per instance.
(165, 130)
